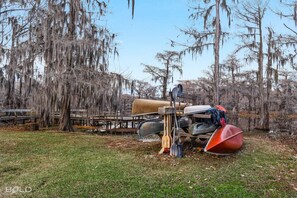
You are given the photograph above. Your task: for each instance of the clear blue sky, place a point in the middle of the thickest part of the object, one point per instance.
(156, 23)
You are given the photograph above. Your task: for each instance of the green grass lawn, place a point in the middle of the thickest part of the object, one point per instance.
(50, 164)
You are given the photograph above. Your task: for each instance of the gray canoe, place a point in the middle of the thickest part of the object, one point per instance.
(201, 128)
(156, 126)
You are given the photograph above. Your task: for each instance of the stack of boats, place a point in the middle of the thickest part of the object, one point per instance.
(196, 122)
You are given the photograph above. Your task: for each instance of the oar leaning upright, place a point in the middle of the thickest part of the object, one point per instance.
(167, 111)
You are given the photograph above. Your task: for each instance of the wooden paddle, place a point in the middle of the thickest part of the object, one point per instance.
(166, 139)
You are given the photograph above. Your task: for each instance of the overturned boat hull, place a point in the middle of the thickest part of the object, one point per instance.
(149, 127)
(201, 128)
(156, 126)
(225, 140)
(196, 109)
(145, 106)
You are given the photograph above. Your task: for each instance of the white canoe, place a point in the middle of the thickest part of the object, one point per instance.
(196, 109)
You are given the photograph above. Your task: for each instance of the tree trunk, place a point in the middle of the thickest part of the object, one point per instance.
(48, 105)
(165, 82)
(164, 90)
(235, 95)
(268, 74)
(264, 113)
(11, 69)
(46, 111)
(65, 120)
(217, 54)
(21, 103)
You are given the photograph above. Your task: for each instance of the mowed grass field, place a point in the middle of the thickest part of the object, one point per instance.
(55, 164)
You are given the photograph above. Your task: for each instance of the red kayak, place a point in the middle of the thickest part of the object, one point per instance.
(225, 140)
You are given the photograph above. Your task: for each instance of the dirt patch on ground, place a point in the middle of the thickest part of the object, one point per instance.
(290, 140)
(150, 150)
(281, 141)
(124, 143)
(121, 142)
(14, 128)
(26, 128)
(284, 139)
